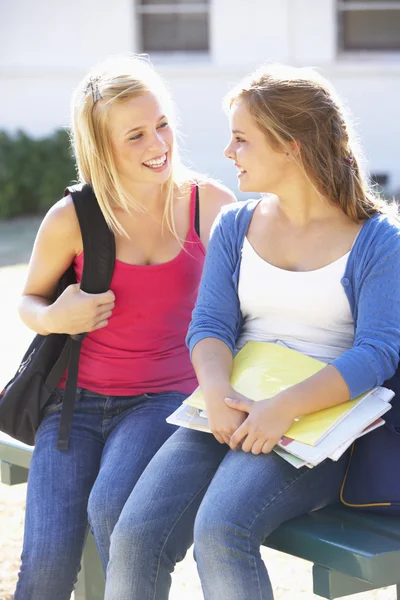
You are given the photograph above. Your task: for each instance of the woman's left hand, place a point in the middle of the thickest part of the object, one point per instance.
(267, 422)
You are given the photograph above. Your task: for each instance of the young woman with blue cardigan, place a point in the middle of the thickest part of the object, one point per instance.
(315, 265)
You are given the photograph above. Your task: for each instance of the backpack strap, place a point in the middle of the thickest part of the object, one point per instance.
(98, 240)
(99, 260)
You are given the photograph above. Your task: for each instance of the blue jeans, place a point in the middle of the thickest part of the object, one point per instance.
(229, 502)
(112, 441)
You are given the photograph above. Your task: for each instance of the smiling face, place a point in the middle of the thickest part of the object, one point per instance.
(141, 139)
(261, 167)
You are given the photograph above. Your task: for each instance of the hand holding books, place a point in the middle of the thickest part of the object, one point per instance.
(266, 424)
(262, 371)
(223, 420)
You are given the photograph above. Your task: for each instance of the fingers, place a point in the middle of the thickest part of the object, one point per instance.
(223, 437)
(267, 447)
(258, 446)
(243, 404)
(100, 325)
(218, 437)
(106, 307)
(104, 315)
(238, 437)
(227, 439)
(99, 299)
(105, 298)
(248, 443)
(102, 311)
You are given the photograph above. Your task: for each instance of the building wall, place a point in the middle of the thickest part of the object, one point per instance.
(47, 46)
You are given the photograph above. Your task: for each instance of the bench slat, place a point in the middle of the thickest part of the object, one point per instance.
(331, 537)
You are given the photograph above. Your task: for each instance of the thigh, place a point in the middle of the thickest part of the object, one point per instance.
(59, 482)
(165, 500)
(258, 493)
(155, 528)
(136, 434)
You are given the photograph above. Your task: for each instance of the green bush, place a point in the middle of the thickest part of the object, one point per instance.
(33, 172)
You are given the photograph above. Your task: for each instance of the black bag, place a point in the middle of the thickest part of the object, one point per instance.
(24, 397)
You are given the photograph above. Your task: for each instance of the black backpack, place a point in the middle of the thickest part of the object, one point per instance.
(24, 397)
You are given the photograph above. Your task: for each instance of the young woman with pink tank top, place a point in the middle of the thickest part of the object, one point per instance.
(134, 368)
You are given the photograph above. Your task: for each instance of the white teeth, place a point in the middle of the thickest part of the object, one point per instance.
(156, 162)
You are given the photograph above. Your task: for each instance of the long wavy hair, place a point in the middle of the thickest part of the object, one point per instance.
(298, 105)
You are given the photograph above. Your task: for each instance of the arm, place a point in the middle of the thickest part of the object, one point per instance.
(213, 331)
(270, 419)
(57, 243)
(212, 361)
(217, 311)
(374, 356)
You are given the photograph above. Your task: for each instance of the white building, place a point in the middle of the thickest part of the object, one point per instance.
(203, 47)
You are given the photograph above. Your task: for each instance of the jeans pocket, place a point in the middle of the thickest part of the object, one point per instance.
(54, 403)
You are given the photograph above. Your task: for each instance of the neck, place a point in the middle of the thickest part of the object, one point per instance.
(299, 203)
(146, 197)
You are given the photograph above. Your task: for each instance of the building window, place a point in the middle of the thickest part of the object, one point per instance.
(173, 25)
(372, 25)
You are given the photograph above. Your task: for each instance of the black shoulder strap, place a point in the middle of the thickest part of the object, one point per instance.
(197, 212)
(99, 260)
(98, 240)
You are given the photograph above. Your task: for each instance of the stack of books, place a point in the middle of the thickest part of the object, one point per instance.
(262, 370)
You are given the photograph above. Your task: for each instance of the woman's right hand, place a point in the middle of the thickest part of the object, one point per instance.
(75, 311)
(223, 420)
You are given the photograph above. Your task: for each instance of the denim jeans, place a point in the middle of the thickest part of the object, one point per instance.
(227, 501)
(112, 440)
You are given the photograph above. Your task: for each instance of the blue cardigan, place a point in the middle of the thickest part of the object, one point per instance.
(371, 283)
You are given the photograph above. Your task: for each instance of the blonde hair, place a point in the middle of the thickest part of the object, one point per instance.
(115, 81)
(296, 107)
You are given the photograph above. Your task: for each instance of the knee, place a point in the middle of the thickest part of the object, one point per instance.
(215, 532)
(130, 540)
(103, 510)
(210, 530)
(131, 561)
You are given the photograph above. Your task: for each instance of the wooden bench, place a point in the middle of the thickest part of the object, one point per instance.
(351, 551)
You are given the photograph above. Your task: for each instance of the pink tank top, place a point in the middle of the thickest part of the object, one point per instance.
(143, 348)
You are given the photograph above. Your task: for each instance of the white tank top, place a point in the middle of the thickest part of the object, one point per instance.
(305, 310)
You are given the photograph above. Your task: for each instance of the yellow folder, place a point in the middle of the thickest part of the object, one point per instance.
(262, 370)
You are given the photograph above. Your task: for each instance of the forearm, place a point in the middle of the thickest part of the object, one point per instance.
(325, 389)
(212, 361)
(33, 311)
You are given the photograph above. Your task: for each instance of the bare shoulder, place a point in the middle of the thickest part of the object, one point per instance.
(61, 224)
(57, 243)
(213, 196)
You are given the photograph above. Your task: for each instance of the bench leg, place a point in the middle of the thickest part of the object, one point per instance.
(90, 584)
(332, 584)
(398, 591)
(12, 474)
